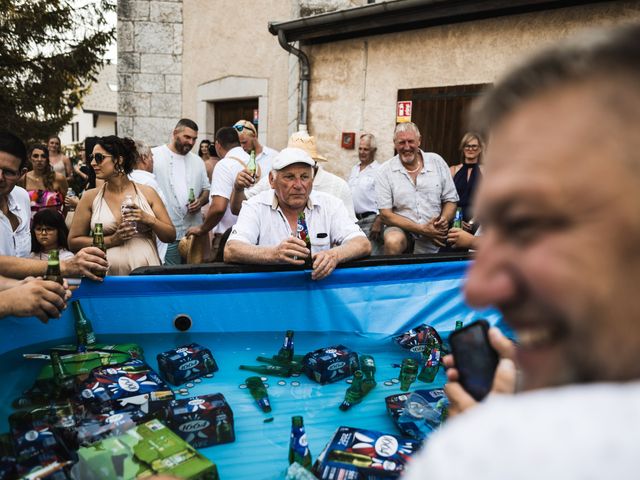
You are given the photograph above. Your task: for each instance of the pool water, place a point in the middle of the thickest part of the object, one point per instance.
(261, 449)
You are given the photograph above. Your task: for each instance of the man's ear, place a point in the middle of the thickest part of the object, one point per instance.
(272, 178)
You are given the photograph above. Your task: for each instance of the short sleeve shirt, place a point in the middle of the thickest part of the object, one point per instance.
(363, 187)
(422, 201)
(16, 243)
(261, 222)
(222, 180)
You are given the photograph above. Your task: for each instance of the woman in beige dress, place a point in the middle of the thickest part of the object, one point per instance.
(130, 241)
(58, 160)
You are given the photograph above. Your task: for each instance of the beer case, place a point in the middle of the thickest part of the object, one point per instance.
(202, 421)
(186, 363)
(82, 363)
(145, 450)
(330, 364)
(417, 339)
(409, 426)
(359, 454)
(95, 427)
(132, 385)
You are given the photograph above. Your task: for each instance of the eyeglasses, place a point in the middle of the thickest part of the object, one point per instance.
(98, 157)
(9, 174)
(44, 229)
(471, 147)
(240, 127)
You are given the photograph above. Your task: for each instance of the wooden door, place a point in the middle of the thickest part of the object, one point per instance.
(229, 112)
(440, 114)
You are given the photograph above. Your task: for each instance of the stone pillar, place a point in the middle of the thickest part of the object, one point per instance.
(149, 69)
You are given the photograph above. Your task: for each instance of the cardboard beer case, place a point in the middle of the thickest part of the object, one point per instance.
(410, 425)
(130, 385)
(186, 363)
(359, 454)
(202, 421)
(145, 450)
(327, 365)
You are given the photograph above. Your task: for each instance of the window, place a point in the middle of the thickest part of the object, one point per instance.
(75, 132)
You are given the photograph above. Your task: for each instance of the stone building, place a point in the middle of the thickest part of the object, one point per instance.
(218, 60)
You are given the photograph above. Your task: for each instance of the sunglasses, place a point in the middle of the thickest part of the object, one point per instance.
(98, 157)
(241, 127)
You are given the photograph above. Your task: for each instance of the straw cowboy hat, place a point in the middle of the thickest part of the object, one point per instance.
(307, 143)
(193, 249)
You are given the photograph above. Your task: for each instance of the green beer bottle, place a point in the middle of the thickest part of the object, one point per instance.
(277, 370)
(259, 393)
(457, 219)
(408, 373)
(62, 382)
(286, 352)
(368, 367)
(431, 359)
(252, 166)
(53, 267)
(298, 444)
(224, 433)
(355, 393)
(84, 330)
(98, 242)
(192, 195)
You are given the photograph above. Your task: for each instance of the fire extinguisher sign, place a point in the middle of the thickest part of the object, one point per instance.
(403, 111)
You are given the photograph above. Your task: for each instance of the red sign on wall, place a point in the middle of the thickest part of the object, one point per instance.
(403, 111)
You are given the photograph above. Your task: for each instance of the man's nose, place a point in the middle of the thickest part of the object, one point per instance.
(489, 281)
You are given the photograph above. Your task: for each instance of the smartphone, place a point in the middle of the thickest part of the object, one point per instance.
(475, 358)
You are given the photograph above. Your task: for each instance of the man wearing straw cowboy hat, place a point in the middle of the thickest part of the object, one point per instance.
(323, 181)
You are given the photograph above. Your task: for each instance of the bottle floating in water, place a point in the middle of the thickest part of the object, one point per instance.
(431, 359)
(259, 393)
(368, 367)
(276, 370)
(408, 372)
(84, 330)
(298, 444)
(355, 393)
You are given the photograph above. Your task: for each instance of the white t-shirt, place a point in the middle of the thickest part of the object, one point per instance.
(265, 159)
(576, 432)
(261, 222)
(363, 187)
(16, 243)
(175, 185)
(324, 182)
(222, 180)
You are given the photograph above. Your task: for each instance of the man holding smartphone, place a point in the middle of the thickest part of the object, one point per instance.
(559, 258)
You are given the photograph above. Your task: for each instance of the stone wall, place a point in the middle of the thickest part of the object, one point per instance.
(149, 68)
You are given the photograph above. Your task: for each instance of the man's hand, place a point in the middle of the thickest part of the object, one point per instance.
(35, 297)
(433, 231)
(86, 263)
(194, 206)
(324, 262)
(376, 229)
(292, 250)
(503, 382)
(243, 180)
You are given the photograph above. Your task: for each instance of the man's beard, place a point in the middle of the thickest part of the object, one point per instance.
(182, 148)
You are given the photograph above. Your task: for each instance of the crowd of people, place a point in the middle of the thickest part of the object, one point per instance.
(557, 254)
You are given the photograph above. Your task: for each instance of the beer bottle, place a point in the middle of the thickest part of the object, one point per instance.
(53, 267)
(224, 432)
(303, 234)
(84, 330)
(62, 381)
(259, 393)
(192, 195)
(357, 459)
(458, 324)
(408, 373)
(355, 393)
(252, 166)
(431, 357)
(457, 219)
(368, 367)
(298, 444)
(286, 352)
(277, 370)
(98, 242)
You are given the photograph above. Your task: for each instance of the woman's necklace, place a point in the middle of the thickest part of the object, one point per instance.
(415, 169)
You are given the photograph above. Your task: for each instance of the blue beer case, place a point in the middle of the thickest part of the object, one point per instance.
(185, 363)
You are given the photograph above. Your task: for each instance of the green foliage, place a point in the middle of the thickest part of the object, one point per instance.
(50, 52)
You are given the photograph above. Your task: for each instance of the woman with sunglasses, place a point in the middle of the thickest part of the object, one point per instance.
(467, 175)
(46, 187)
(130, 241)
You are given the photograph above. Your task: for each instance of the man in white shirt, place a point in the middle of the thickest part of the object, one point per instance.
(279, 225)
(178, 170)
(362, 182)
(143, 174)
(416, 196)
(559, 258)
(249, 141)
(323, 181)
(234, 159)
